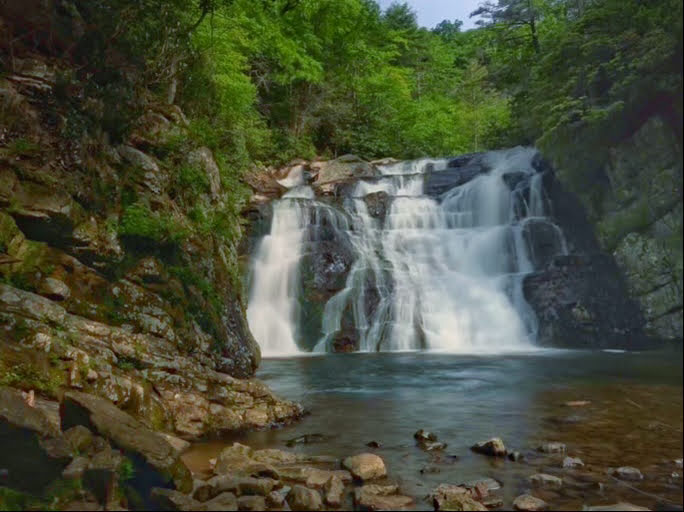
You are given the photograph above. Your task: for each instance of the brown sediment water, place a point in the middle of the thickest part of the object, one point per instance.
(633, 418)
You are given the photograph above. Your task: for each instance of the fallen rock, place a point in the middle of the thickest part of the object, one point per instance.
(616, 507)
(552, 448)
(380, 497)
(168, 499)
(302, 498)
(494, 447)
(627, 473)
(489, 483)
(224, 501)
(128, 434)
(572, 462)
(365, 466)
(529, 503)
(28, 460)
(251, 503)
(454, 497)
(334, 491)
(544, 481)
(515, 456)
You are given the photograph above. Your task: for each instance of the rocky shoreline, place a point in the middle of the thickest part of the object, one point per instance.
(97, 457)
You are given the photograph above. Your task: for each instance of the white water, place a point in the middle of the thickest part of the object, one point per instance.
(445, 274)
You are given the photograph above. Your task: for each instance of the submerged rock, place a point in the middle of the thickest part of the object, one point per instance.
(454, 497)
(553, 447)
(572, 462)
(527, 502)
(494, 447)
(545, 481)
(627, 473)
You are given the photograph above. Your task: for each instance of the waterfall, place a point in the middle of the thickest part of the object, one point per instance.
(440, 271)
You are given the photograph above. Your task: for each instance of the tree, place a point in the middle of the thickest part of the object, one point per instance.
(511, 15)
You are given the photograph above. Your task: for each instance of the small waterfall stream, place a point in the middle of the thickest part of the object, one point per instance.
(438, 271)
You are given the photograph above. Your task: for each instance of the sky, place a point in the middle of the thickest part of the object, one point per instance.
(431, 12)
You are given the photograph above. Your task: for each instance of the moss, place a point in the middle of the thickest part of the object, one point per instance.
(13, 500)
(140, 224)
(26, 376)
(22, 147)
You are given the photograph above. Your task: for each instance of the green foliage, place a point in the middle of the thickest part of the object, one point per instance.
(13, 500)
(139, 222)
(26, 376)
(22, 147)
(126, 470)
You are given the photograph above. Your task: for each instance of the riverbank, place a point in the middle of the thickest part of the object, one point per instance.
(625, 410)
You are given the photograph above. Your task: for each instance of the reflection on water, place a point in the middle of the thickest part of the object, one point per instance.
(634, 418)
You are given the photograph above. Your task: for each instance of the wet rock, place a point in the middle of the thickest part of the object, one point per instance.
(577, 403)
(679, 463)
(494, 447)
(276, 499)
(381, 497)
(627, 473)
(224, 501)
(365, 466)
(251, 503)
(430, 469)
(155, 456)
(454, 497)
(527, 502)
(616, 507)
(554, 447)
(233, 457)
(274, 457)
(306, 439)
(489, 484)
(240, 485)
(373, 444)
(343, 169)
(334, 491)
(544, 481)
(377, 203)
(317, 478)
(572, 462)
(54, 289)
(168, 499)
(302, 498)
(515, 456)
(424, 436)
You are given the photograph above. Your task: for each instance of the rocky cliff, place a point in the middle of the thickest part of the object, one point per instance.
(118, 263)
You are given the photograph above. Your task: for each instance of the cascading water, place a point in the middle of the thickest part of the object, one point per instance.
(440, 271)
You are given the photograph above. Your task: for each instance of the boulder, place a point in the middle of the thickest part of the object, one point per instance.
(274, 457)
(365, 466)
(27, 436)
(137, 158)
(493, 447)
(628, 473)
(381, 497)
(344, 169)
(153, 456)
(377, 204)
(224, 501)
(168, 499)
(256, 503)
(454, 497)
(79, 438)
(544, 481)
(423, 436)
(303, 498)
(554, 447)
(489, 484)
(232, 458)
(572, 462)
(527, 502)
(334, 491)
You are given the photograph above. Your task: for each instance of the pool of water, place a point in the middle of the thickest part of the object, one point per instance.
(634, 418)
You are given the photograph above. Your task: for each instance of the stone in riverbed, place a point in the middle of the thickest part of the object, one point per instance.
(617, 507)
(545, 481)
(679, 462)
(365, 466)
(554, 447)
(381, 497)
(274, 457)
(168, 499)
(529, 503)
(489, 484)
(515, 456)
(423, 435)
(454, 497)
(334, 491)
(627, 473)
(251, 503)
(302, 498)
(494, 447)
(224, 501)
(572, 462)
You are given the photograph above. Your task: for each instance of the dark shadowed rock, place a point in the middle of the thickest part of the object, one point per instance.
(152, 455)
(493, 447)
